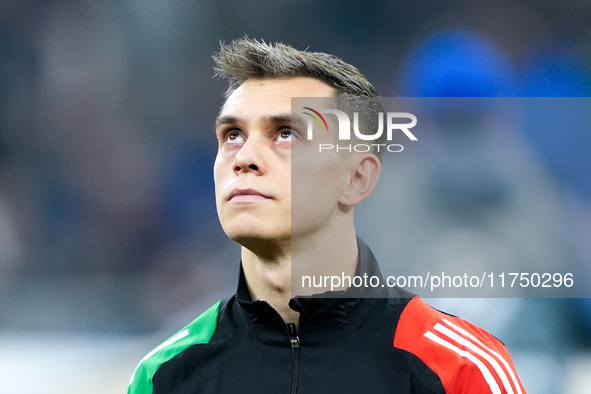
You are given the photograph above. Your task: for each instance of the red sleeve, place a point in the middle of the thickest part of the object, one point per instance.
(466, 358)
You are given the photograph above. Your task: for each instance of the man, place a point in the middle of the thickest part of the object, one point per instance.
(261, 340)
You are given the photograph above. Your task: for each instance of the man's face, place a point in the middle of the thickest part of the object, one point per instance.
(253, 167)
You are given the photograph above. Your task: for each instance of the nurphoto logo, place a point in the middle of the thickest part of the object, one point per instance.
(391, 119)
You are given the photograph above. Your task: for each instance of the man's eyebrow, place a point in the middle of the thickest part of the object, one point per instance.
(226, 119)
(269, 118)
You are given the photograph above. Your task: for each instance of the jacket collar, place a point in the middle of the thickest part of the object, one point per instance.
(339, 307)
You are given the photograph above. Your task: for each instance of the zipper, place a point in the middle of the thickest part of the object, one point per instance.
(294, 343)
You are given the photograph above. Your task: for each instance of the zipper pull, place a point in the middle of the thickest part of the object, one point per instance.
(294, 339)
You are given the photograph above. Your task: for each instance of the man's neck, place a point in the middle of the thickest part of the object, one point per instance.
(270, 280)
(319, 255)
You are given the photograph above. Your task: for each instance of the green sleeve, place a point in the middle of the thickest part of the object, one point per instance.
(198, 332)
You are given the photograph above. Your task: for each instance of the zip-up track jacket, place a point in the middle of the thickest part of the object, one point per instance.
(396, 344)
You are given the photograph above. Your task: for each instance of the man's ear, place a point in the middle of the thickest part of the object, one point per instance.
(365, 171)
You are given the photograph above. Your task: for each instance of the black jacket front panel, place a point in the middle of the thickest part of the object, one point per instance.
(345, 346)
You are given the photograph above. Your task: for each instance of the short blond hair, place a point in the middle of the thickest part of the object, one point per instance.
(247, 58)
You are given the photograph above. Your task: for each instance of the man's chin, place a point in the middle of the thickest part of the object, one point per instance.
(259, 241)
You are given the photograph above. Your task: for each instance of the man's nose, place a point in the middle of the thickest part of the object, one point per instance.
(251, 157)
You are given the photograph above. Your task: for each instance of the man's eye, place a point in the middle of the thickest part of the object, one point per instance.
(234, 137)
(286, 135)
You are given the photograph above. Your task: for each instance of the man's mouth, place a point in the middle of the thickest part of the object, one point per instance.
(247, 195)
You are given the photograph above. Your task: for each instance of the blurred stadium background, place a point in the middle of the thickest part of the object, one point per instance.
(109, 239)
